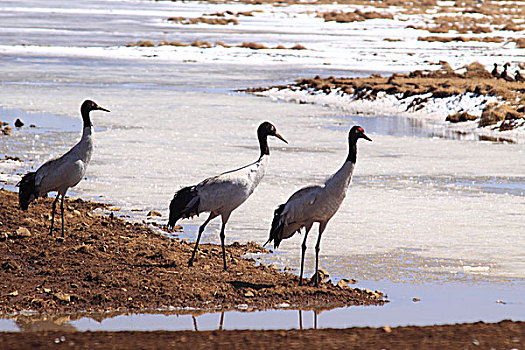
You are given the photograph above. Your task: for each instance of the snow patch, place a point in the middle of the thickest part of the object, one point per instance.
(436, 109)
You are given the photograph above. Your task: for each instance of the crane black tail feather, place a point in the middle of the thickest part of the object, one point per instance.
(185, 203)
(27, 192)
(276, 231)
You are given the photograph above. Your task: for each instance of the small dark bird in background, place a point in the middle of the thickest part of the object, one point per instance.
(495, 72)
(504, 75)
(518, 76)
(19, 123)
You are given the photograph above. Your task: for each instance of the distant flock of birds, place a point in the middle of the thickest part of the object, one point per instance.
(218, 195)
(506, 75)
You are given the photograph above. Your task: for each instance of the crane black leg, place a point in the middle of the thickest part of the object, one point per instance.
(201, 229)
(303, 250)
(53, 214)
(322, 226)
(223, 249)
(62, 211)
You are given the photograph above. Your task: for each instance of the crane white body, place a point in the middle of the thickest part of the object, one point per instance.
(222, 194)
(315, 203)
(59, 174)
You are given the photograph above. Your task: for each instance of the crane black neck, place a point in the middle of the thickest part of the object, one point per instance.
(263, 143)
(85, 117)
(352, 150)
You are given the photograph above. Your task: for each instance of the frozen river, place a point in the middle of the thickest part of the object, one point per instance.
(425, 207)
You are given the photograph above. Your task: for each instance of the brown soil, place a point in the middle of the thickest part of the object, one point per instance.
(108, 264)
(439, 84)
(502, 335)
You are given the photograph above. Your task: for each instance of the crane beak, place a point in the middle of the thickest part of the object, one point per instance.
(366, 137)
(102, 109)
(280, 137)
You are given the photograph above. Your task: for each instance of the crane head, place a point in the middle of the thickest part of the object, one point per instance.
(358, 132)
(268, 129)
(89, 105)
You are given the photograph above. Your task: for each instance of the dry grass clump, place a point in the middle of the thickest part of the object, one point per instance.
(512, 27)
(196, 20)
(460, 117)
(441, 39)
(445, 27)
(207, 45)
(356, 16)
(253, 46)
(495, 113)
(201, 44)
(520, 43)
(141, 43)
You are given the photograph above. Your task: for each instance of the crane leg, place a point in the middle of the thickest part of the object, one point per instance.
(201, 229)
(303, 250)
(62, 212)
(53, 214)
(222, 245)
(322, 226)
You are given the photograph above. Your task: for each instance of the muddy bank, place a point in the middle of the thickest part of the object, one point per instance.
(502, 335)
(107, 264)
(421, 87)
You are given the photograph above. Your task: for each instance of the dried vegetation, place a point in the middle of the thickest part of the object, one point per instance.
(207, 45)
(441, 83)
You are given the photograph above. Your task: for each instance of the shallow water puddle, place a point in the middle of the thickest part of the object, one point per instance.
(410, 305)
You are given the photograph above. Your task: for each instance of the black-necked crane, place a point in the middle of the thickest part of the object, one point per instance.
(59, 174)
(505, 75)
(222, 194)
(518, 76)
(315, 203)
(495, 72)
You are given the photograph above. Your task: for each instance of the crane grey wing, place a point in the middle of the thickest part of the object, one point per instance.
(58, 174)
(220, 191)
(301, 204)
